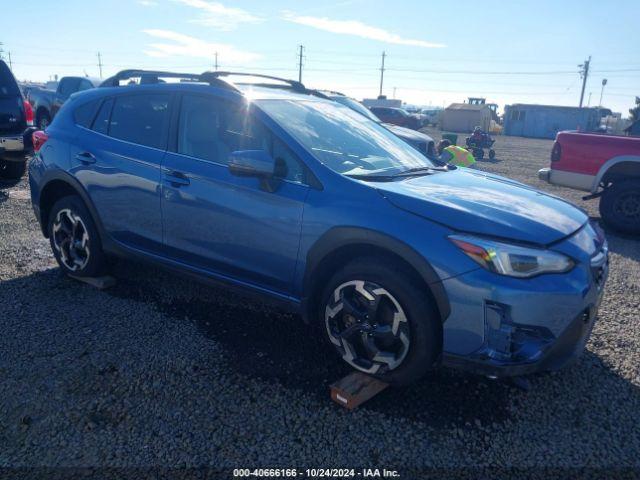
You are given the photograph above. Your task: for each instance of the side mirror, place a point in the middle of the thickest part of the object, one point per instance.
(254, 163)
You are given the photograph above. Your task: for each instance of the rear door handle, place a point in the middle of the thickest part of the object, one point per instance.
(86, 158)
(177, 179)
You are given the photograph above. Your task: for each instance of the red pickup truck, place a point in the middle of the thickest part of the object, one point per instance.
(605, 166)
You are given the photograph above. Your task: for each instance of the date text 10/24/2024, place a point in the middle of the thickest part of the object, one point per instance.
(315, 473)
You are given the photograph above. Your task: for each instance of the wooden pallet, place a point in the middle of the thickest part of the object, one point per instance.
(355, 389)
(100, 283)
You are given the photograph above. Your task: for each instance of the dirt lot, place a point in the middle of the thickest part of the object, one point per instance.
(160, 371)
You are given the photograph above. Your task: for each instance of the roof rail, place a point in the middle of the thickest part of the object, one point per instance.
(294, 84)
(153, 76)
(212, 78)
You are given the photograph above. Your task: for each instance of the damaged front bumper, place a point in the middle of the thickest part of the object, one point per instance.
(503, 327)
(521, 350)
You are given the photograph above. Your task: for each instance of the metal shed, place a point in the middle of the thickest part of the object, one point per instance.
(463, 117)
(545, 121)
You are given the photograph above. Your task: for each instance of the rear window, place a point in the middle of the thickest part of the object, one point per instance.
(83, 114)
(141, 119)
(8, 85)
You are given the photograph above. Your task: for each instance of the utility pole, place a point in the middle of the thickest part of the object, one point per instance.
(215, 65)
(584, 73)
(604, 82)
(382, 73)
(11, 65)
(100, 64)
(300, 57)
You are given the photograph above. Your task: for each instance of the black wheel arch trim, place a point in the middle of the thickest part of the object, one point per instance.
(339, 237)
(59, 175)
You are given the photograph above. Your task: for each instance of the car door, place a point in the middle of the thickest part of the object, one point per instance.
(118, 162)
(223, 224)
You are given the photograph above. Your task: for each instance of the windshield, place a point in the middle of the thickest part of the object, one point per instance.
(356, 106)
(344, 140)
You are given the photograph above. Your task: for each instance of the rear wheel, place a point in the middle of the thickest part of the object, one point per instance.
(620, 206)
(10, 170)
(492, 154)
(74, 238)
(380, 323)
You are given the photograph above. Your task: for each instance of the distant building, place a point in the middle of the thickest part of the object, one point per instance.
(545, 121)
(382, 101)
(464, 117)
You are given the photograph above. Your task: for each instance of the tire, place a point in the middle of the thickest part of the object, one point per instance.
(492, 154)
(10, 170)
(620, 206)
(404, 331)
(478, 153)
(69, 222)
(43, 119)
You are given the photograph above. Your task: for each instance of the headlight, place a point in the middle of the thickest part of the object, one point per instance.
(512, 260)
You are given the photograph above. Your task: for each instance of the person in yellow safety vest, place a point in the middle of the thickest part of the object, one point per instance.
(455, 155)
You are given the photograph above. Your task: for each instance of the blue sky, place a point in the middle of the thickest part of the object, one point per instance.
(437, 52)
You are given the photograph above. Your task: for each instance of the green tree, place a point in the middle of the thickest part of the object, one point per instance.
(635, 111)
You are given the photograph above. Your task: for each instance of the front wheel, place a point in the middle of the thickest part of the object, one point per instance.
(380, 323)
(620, 206)
(478, 153)
(74, 238)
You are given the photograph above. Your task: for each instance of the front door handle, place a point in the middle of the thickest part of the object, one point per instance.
(177, 179)
(86, 158)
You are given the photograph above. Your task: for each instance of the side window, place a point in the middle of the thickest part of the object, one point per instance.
(68, 86)
(101, 122)
(141, 119)
(83, 114)
(287, 164)
(211, 129)
(198, 129)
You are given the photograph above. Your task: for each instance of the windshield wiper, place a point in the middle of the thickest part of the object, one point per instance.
(421, 170)
(405, 173)
(371, 178)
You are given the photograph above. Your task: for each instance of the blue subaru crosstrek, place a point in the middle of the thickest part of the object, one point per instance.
(404, 263)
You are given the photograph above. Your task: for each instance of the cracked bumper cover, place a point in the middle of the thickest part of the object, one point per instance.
(536, 350)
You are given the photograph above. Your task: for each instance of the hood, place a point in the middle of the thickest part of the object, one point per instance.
(474, 202)
(408, 134)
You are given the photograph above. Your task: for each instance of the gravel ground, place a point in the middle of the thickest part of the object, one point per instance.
(161, 371)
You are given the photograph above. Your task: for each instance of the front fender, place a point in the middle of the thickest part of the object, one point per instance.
(339, 237)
